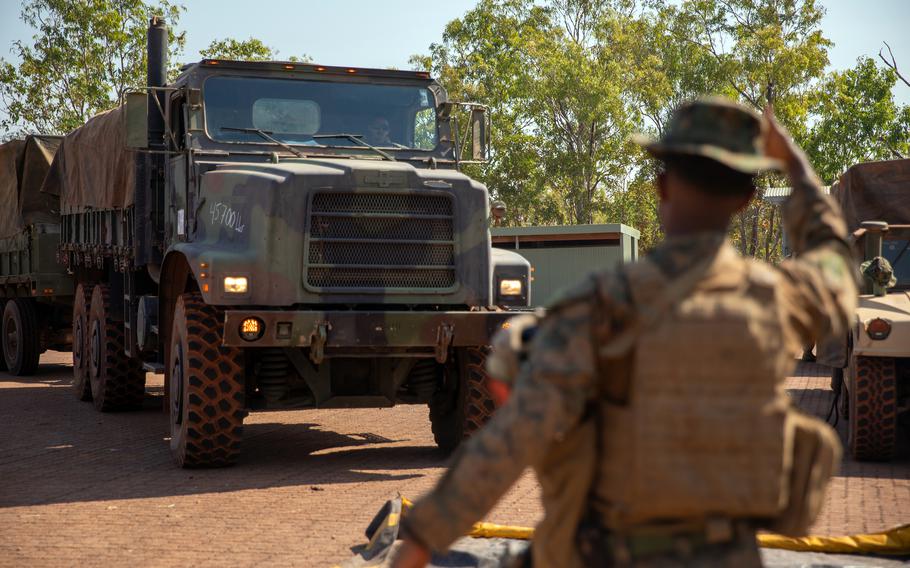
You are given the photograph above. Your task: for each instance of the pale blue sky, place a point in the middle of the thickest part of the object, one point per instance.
(367, 33)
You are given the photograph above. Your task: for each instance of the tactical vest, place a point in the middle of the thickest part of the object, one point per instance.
(702, 433)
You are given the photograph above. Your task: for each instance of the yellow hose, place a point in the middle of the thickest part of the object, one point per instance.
(894, 541)
(492, 530)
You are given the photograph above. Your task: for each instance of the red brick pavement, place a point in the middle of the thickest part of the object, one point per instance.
(82, 488)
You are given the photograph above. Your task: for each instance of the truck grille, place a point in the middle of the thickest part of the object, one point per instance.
(377, 241)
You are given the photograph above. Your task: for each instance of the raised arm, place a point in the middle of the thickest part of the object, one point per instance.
(819, 297)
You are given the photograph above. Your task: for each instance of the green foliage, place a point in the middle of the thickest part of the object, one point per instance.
(553, 78)
(570, 80)
(85, 55)
(857, 120)
(251, 49)
(767, 52)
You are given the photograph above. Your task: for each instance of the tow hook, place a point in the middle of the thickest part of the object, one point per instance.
(317, 343)
(444, 335)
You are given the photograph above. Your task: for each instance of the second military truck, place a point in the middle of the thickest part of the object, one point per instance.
(871, 363)
(282, 235)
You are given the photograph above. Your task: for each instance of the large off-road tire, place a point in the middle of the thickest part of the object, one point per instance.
(873, 408)
(117, 381)
(205, 387)
(3, 366)
(82, 385)
(457, 413)
(21, 346)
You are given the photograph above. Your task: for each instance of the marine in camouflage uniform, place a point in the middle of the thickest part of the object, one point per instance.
(651, 403)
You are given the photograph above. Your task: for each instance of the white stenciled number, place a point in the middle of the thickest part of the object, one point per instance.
(228, 217)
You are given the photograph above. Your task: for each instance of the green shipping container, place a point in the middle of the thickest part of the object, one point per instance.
(561, 256)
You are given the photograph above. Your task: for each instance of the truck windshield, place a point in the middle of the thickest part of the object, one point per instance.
(897, 253)
(298, 111)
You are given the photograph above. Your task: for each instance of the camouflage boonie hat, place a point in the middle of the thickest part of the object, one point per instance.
(879, 271)
(715, 128)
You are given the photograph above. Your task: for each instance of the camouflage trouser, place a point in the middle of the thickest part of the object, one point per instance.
(738, 555)
(604, 549)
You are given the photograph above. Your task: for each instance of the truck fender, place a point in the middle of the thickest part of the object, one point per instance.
(177, 276)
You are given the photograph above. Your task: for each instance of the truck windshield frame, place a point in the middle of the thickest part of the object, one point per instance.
(895, 248)
(405, 110)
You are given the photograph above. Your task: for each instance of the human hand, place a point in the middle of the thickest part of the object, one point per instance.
(411, 555)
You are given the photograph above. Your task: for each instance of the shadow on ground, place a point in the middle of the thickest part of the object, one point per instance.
(126, 455)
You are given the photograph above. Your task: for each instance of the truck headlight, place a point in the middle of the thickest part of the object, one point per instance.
(236, 284)
(510, 287)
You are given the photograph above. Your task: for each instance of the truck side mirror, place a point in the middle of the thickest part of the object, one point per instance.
(194, 122)
(479, 133)
(137, 121)
(194, 98)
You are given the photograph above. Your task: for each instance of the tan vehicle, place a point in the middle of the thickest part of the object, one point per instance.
(871, 366)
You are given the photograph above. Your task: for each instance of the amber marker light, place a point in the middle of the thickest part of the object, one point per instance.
(251, 329)
(352, 70)
(320, 69)
(289, 67)
(878, 328)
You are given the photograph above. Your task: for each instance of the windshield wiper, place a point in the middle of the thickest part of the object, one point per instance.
(265, 134)
(357, 139)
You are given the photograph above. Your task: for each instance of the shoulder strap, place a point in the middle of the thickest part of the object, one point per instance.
(646, 296)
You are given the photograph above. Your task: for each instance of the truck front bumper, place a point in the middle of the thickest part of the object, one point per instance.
(361, 329)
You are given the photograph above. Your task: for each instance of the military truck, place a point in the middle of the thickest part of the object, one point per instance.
(871, 365)
(278, 235)
(35, 292)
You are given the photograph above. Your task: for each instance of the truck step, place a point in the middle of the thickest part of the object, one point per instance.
(153, 367)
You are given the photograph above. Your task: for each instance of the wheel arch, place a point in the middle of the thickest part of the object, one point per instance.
(177, 277)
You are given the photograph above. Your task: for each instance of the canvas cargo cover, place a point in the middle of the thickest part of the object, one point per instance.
(93, 168)
(23, 167)
(875, 191)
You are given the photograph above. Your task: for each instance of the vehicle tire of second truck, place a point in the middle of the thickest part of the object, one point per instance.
(117, 381)
(471, 405)
(82, 385)
(3, 366)
(206, 395)
(873, 408)
(21, 348)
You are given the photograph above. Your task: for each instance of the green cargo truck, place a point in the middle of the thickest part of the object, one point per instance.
(35, 292)
(283, 235)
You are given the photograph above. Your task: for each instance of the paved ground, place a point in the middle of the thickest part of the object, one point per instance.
(82, 488)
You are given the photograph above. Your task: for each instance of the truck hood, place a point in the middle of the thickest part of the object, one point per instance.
(894, 307)
(379, 173)
(255, 219)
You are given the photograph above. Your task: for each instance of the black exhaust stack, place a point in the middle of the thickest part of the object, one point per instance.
(157, 77)
(149, 218)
